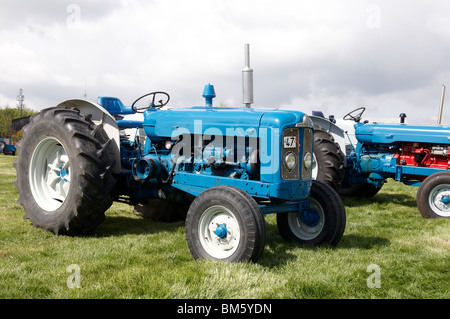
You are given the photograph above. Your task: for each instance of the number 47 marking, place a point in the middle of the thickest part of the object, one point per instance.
(290, 142)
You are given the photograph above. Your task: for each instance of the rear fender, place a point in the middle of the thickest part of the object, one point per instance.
(333, 129)
(100, 116)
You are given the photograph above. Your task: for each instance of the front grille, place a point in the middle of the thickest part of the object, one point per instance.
(308, 140)
(290, 144)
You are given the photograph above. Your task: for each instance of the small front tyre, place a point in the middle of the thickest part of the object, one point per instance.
(323, 223)
(225, 224)
(433, 196)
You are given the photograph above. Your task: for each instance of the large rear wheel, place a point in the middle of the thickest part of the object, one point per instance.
(328, 159)
(64, 172)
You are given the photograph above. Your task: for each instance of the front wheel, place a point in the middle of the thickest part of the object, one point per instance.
(323, 223)
(226, 224)
(433, 196)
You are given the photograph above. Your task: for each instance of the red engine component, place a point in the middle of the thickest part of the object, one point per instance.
(423, 155)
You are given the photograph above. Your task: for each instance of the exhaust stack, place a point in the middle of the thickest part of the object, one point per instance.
(441, 109)
(247, 79)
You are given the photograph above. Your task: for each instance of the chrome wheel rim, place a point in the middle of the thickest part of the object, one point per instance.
(49, 174)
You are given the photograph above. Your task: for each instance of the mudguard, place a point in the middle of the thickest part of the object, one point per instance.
(100, 116)
(333, 129)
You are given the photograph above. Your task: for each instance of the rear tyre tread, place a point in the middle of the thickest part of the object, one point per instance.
(89, 152)
(329, 158)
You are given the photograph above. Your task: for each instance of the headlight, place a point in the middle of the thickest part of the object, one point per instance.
(290, 161)
(307, 160)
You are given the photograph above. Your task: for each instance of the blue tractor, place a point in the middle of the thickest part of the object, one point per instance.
(223, 168)
(417, 155)
(7, 147)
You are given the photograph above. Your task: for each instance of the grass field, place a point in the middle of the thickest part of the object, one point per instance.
(388, 251)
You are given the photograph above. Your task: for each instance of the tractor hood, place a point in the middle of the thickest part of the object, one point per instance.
(217, 121)
(390, 133)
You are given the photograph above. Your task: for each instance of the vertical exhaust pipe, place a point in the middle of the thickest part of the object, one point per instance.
(247, 79)
(441, 109)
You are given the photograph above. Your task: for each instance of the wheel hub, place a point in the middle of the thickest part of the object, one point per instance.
(221, 231)
(440, 200)
(62, 174)
(307, 224)
(309, 217)
(445, 199)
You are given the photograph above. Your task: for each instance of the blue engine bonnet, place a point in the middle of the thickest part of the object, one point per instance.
(216, 121)
(391, 133)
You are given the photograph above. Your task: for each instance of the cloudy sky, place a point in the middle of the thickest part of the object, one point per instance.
(389, 56)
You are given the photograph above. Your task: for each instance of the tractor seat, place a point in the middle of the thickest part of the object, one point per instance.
(114, 105)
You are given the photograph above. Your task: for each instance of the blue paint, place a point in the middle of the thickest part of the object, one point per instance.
(445, 199)
(209, 93)
(188, 150)
(309, 217)
(221, 231)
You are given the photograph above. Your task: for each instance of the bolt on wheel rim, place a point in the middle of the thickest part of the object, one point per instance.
(219, 232)
(307, 230)
(439, 200)
(49, 174)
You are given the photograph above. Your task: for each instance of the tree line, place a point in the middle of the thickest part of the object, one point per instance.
(7, 114)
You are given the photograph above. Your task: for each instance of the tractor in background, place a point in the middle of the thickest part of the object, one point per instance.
(417, 155)
(7, 147)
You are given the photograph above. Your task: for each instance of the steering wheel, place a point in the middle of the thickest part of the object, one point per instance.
(355, 115)
(160, 103)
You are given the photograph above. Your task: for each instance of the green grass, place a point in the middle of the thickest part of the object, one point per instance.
(131, 257)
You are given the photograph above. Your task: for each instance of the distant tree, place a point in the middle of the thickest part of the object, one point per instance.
(16, 137)
(7, 114)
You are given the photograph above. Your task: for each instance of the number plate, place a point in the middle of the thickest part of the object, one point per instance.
(290, 142)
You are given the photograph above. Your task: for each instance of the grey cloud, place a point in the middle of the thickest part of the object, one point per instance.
(322, 53)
